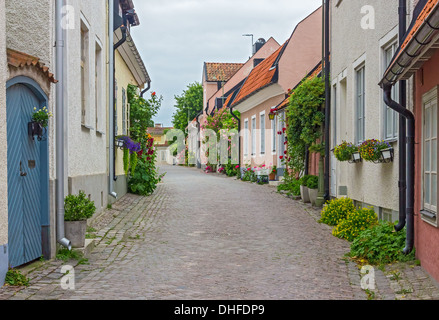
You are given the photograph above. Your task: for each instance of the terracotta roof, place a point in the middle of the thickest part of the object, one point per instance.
(403, 66)
(216, 72)
(261, 76)
(420, 21)
(19, 59)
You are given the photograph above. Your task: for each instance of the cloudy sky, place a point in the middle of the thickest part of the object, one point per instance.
(176, 37)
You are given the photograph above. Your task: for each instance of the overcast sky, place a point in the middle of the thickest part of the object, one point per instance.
(176, 37)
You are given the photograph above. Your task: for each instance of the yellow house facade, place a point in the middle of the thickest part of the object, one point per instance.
(129, 70)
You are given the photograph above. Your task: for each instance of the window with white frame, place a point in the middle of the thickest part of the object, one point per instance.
(124, 112)
(254, 136)
(246, 136)
(273, 135)
(391, 117)
(262, 130)
(360, 96)
(430, 153)
(85, 59)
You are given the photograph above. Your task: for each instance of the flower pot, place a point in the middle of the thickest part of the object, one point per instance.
(35, 129)
(75, 232)
(304, 194)
(272, 176)
(313, 195)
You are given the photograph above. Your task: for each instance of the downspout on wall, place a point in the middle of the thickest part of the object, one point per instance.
(410, 194)
(60, 170)
(239, 137)
(111, 72)
(327, 100)
(199, 141)
(402, 146)
(146, 90)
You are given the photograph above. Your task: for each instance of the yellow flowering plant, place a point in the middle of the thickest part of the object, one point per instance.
(42, 116)
(355, 222)
(336, 211)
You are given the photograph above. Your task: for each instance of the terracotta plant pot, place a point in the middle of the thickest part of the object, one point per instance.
(75, 232)
(304, 194)
(272, 176)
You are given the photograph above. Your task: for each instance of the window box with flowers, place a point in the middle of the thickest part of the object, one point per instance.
(347, 152)
(376, 151)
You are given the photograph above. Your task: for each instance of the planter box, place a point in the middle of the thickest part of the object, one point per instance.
(304, 194)
(272, 176)
(313, 195)
(75, 232)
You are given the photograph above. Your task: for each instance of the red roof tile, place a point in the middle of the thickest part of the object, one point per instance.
(216, 72)
(262, 75)
(19, 59)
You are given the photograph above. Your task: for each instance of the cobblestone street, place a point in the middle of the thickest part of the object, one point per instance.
(205, 236)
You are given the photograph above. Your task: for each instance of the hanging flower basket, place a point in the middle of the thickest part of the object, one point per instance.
(371, 150)
(36, 129)
(345, 151)
(38, 124)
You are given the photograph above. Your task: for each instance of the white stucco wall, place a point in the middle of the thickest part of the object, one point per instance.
(87, 145)
(371, 184)
(3, 151)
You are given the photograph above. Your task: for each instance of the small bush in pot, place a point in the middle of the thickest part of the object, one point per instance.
(78, 209)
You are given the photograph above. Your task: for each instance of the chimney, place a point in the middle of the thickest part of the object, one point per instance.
(258, 45)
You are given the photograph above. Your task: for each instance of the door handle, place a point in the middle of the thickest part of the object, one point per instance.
(22, 174)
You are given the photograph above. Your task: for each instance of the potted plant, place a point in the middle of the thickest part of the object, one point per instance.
(272, 175)
(38, 123)
(78, 209)
(304, 189)
(313, 188)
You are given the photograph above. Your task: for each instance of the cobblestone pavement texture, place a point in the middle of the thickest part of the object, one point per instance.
(208, 237)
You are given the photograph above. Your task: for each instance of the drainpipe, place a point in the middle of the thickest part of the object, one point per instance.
(410, 194)
(111, 72)
(60, 171)
(199, 141)
(239, 140)
(146, 90)
(402, 127)
(327, 102)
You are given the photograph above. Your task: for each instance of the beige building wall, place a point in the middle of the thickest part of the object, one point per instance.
(3, 135)
(358, 42)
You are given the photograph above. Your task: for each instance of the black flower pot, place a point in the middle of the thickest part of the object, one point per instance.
(35, 129)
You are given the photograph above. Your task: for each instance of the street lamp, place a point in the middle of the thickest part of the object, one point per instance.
(249, 35)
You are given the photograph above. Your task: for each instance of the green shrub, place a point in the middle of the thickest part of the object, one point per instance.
(355, 222)
(16, 279)
(336, 210)
(293, 187)
(78, 207)
(313, 182)
(380, 245)
(304, 180)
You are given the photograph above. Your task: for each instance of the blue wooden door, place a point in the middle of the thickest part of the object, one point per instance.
(24, 181)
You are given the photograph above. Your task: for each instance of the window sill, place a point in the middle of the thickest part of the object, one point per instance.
(87, 127)
(430, 218)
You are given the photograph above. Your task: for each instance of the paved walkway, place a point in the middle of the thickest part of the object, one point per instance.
(209, 237)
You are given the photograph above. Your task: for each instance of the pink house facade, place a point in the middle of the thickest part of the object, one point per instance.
(418, 61)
